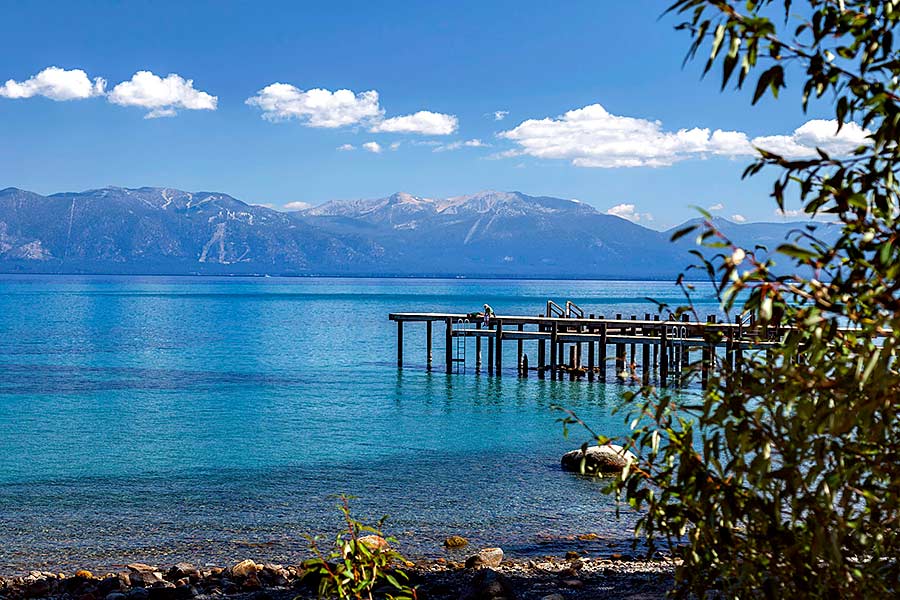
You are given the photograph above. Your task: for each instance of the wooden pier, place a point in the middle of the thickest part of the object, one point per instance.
(566, 342)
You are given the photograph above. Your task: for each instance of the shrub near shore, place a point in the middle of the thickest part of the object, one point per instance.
(782, 478)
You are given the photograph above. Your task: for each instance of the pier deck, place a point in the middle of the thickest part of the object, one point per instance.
(588, 346)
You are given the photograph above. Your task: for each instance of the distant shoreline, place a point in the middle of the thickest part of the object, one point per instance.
(443, 277)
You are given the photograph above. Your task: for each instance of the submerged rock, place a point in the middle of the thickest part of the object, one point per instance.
(608, 459)
(456, 541)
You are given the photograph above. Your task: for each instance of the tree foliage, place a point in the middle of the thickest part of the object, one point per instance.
(785, 481)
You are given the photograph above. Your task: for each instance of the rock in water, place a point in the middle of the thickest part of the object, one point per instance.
(456, 541)
(608, 459)
(488, 557)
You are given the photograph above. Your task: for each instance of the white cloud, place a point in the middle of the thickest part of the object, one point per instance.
(56, 84)
(264, 205)
(818, 133)
(717, 206)
(738, 218)
(629, 211)
(316, 107)
(341, 108)
(297, 206)
(373, 147)
(473, 143)
(424, 122)
(163, 96)
(499, 115)
(789, 213)
(346, 147)
(593, 137)
(395, 145)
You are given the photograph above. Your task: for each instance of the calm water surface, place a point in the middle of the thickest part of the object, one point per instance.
(165, 419)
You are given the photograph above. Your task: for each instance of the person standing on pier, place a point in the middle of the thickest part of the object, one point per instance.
(488, 314)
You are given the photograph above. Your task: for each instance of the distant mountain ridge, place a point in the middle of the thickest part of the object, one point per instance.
(167, 231)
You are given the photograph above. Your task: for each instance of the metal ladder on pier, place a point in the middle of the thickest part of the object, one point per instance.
(460, 338)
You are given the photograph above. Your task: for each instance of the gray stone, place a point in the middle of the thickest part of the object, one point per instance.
(37, 588)
(145, 578)
(114, 583)
(116, 596)
(608, 459)
(139, 594)
(488, 584)
(182, 570)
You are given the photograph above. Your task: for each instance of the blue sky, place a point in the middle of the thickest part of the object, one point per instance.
(462, 63)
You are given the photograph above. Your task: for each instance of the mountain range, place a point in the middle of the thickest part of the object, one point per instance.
(506, 234)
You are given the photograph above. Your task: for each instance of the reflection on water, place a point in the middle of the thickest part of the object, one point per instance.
(161, 419)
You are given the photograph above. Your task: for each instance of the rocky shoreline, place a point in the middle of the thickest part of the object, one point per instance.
(550, 578)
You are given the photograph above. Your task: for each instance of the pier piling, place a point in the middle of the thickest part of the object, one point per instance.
(428, 343)
(448, 345)
(498, 352)
(400, 344)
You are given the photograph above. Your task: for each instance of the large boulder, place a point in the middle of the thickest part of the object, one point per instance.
(487, 557)
(374, 542)
(608, 459)
(245, 568)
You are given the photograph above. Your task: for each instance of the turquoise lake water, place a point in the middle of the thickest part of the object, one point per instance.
(162, 419)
